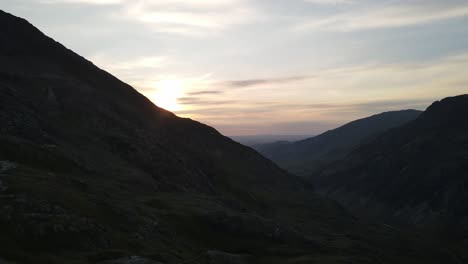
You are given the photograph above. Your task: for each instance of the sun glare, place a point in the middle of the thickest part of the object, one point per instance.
(167, 93)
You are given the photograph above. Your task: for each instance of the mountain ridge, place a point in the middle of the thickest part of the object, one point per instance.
(307, 156)
(415, 171)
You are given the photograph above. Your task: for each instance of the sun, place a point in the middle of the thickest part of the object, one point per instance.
(167, 93)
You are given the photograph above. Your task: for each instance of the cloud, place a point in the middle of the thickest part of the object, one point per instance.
(148, 62)
(187, 17)
(243, 119)
(329, 2)
(233, 107)
(190, 100)
(205, 92)
(334, 96)
(381, 17)
(255, 82)
(90, 2)
(394, 104)
(371, 107)
(159, 2)
(139, 71)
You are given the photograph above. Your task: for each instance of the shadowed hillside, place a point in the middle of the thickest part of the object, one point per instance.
(306, 157)
(417, 173)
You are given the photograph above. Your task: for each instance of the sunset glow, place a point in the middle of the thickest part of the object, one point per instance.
(252, 67)
(167, 94)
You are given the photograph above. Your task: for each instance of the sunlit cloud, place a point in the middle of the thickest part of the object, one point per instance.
(142, 72)
(332, 97)
(191, 17)
(193, 101)
(187, 17)
(205, 92)
(150, 62)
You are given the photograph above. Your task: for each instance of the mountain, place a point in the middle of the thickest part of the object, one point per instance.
(255, 140)
(92, 172)
(306, 157)
(414, 174)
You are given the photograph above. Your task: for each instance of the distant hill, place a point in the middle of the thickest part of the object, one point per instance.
(416, 173)
(307, 156)
(255, 140)
(92, 172)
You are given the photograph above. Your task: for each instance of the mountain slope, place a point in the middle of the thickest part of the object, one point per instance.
(417, 173)
(90, 165)
(307, 156)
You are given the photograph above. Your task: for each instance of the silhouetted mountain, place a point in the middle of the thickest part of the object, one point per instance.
(417, 173)
(306, 157)
(92, 172)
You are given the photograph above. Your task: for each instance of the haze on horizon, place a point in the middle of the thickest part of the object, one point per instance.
(269, 67)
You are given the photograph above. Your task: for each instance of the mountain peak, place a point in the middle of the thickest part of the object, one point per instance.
(446, 111)
(450, 104)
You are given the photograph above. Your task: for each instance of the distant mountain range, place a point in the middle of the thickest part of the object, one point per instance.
(404, 167)
(255, 140)
(416, 173)
(92, 172)
(306, 157)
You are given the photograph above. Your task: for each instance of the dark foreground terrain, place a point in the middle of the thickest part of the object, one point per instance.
(92, 172)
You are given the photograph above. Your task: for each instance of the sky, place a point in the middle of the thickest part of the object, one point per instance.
(286, 67)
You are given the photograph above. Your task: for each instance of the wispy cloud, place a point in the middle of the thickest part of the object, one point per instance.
(188, 17)
(385, 16)
(139, 72)
(138, 64)
(255, 82)
(191, 17)
(244, 118)
(91, 2)
(204, 92)
(198, 101)
(329, 2)
(332, 97)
